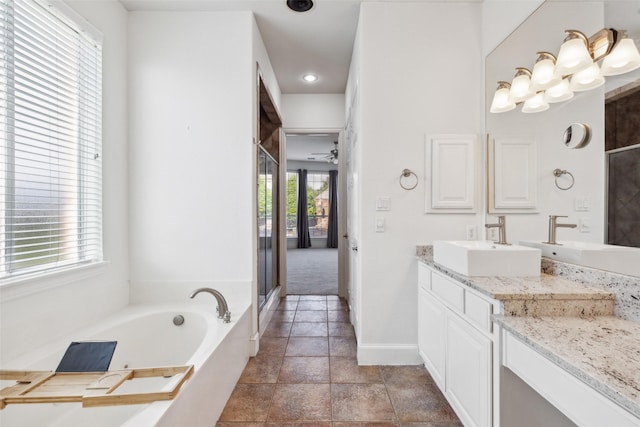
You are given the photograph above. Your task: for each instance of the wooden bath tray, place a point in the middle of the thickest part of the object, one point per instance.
(90, 388)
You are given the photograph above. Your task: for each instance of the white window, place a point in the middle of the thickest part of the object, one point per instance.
(50, 141)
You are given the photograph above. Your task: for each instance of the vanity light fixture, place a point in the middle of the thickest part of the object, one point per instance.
(560, 92)
(521, 86)
(576, 69)
(501, 101)
(623, 58)
(543, 75)
(589, 78)
(535, 104)
(574, 54)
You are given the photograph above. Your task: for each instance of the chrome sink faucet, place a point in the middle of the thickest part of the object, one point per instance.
(553, 225)
(502, 230)
(223, 309)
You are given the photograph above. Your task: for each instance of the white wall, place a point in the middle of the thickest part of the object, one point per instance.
(416, 77)
(40, 311)
(193, 103)
(501, 17)
(544, 31)
(313, 111)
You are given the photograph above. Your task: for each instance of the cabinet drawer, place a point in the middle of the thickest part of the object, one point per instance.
(424, 276)
(478, 311)
(448, 291)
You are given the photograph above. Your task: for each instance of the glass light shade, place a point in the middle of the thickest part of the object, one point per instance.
(535, 104)
(574, 54)
(623, 58)
(501, 101)
(543, 74)
(589, 78)
(521, 86)
(558, 93)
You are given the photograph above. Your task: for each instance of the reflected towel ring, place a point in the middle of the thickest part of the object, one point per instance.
(406, 174)
(558, 173)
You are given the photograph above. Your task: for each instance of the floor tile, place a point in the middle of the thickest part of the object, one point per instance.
(406, 374)
(419, 403)
(309, 329)
(277, 328)
(307, 346)
(365, 424)
(248, 402)
(304, 424)
(346, 370)
(361, 402)
(237, 424)
(338, 316)
(312, 305)
(290, 305)
(301, 402)
(431, 424)
(342, 346)
(337, 305)
(310, 316)
(313, 298)
(341, 329)
(283, 316)
(273, 346)
(261, 369)
(304, 370)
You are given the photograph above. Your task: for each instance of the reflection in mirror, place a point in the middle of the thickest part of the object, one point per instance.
(593, 202)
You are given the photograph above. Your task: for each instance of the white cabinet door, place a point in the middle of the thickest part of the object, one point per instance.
(431, 335)
(468, 372)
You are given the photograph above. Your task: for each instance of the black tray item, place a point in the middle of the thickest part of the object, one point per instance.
(87, 356)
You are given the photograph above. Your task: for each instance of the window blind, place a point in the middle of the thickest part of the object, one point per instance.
(50, 131)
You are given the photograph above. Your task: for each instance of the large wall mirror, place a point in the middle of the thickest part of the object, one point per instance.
(589, 202)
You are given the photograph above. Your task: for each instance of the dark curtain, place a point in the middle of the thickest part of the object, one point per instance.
(302, 220)
(332, 228)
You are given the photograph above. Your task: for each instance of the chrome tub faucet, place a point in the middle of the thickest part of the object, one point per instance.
(223, 308)
(502, 230)
(553, 225)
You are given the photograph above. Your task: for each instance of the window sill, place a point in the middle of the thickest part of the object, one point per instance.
(20, 287)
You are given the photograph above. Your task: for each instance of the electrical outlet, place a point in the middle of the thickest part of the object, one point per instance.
(471, 232)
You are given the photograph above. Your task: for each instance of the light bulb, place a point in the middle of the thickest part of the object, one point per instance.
(521, 86)
(501, 102)
(543, 74)
(558, 93)
(623, 58)
(589, 78)
(574, 54)
(535, 104)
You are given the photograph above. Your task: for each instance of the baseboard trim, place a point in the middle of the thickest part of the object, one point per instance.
(385, 354)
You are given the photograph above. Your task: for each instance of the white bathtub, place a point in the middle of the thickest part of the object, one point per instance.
(147, 337)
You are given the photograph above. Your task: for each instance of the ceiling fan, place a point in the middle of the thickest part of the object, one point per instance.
(331, 156)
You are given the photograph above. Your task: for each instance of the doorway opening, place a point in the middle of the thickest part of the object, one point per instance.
(312, 219)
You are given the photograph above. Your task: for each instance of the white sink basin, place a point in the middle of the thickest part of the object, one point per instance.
(486, 258)
(619, 259)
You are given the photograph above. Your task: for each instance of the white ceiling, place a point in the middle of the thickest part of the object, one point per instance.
(310, 147)
(318, 41)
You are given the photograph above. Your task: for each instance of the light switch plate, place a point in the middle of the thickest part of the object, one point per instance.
(383, 203)
(379, 225)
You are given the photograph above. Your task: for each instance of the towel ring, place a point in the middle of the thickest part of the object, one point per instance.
(558, 173)
(406, 174)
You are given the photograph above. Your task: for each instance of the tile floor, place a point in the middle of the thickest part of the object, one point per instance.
(306, 374)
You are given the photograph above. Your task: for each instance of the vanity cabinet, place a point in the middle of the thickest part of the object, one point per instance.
(455, 341)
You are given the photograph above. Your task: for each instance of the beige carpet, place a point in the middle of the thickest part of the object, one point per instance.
(312, 271)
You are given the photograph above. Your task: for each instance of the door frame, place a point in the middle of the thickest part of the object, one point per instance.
(342, 207)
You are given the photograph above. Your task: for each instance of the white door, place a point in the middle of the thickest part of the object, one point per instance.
(353, 288)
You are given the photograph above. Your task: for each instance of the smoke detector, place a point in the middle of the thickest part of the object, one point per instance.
(300, 5)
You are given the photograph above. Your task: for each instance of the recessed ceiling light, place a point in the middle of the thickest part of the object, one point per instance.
(310, 78)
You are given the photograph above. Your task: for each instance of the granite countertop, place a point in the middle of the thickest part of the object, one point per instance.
(543, 287)
(602, 351)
